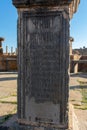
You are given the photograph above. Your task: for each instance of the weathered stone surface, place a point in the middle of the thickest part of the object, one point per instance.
(43, 36)
(39, 2)
(72, 4)
(17, 126)
(43, 46)
(1, 49)
(43, 66)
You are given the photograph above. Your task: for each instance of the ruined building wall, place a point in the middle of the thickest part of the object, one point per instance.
(82, 67)
(8, 63)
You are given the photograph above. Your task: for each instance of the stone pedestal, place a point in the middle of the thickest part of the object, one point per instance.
(43, 56)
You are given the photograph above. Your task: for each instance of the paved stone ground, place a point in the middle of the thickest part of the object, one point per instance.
(8, 96)
(75, 97)
(8, 103)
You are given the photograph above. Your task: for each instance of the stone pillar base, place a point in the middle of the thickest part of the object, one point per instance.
(16, 126)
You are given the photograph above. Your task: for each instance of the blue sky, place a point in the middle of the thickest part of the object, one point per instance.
(8, 24)
(78, 28)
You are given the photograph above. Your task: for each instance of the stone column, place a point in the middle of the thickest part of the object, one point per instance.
(11, 50)
(43, 56)
(16, 51)
(76, 68)
(70, 52)
(6, 49)
(1, 49)
(70, 44)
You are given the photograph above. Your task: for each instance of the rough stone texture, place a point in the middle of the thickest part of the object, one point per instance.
(16, 126)
(43, 47)
(73, 4)
(39, 2)
(8, 62)
(43, 66)
(1, 49)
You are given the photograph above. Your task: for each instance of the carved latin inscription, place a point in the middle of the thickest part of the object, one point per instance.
(43, 67)
(43, 57)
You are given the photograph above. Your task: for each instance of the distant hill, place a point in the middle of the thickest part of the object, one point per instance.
(80, 51)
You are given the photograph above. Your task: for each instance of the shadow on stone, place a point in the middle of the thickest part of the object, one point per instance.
(8, 78)
(4, 128)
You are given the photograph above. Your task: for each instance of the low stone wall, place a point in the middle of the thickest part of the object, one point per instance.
(8, 63)
(82, 67)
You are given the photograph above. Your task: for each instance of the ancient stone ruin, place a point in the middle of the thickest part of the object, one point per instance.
(8, 61)
(1, 49)
(43, 56)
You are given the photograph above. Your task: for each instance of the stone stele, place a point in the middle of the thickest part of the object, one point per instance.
(43, 61)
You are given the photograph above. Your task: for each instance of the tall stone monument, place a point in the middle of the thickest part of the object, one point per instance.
(43, 60)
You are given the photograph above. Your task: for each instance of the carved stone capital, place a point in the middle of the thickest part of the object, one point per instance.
(73, 7)
(73, 4)
(26, 3)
